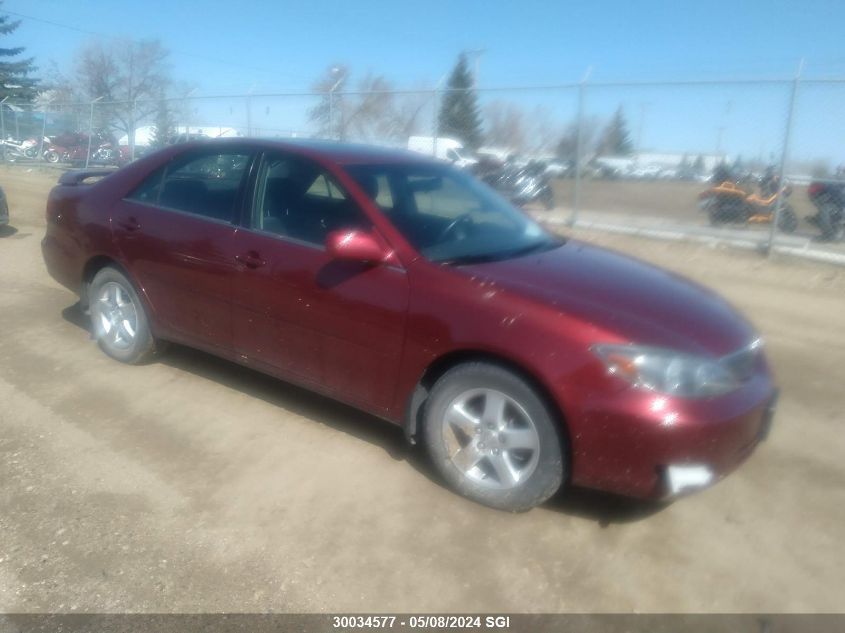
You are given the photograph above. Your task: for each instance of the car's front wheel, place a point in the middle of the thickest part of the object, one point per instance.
(492, 437)
(118, 321)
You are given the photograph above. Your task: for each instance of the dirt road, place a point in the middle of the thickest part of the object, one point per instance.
(196, 485)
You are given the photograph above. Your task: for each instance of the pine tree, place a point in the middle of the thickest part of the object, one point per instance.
(163, 125)
(616, 139)
(459, 114)
(16, 81)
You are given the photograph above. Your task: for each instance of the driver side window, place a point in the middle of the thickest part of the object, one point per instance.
(299, 200)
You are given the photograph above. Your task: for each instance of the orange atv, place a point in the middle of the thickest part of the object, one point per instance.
(728, 203)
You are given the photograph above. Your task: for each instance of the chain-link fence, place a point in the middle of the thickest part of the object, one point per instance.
(759, 158)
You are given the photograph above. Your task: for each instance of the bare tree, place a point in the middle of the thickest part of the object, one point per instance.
(409, 114)
(567, 147)
(506, 126)
(331, 86)
(370, 114)
(543, 131)
(366, 113)
(128, 76)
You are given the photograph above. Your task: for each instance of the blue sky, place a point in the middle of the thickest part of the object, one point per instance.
(229, 47)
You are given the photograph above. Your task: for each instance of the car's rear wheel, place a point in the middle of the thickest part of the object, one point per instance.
(492, 437)
(118, 321)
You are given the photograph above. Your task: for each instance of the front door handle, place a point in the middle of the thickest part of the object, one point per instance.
(250, 259)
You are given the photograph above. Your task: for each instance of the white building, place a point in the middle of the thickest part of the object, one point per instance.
(655, 163)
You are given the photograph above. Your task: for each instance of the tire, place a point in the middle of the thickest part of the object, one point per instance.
(51, 156)
(474, 412)
(725, 211)
(119, 322)
(788, 221)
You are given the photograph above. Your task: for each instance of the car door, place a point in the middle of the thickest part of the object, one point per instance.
(337, 326)
(175, 232)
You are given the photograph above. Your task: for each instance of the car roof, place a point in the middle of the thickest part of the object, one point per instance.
(326, 150)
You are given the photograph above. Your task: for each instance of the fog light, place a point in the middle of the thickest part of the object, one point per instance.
(680, 478)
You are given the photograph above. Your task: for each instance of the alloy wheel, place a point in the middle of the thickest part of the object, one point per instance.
(491, 439)
(116, 316)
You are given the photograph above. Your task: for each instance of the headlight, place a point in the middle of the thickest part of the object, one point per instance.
(667, 371)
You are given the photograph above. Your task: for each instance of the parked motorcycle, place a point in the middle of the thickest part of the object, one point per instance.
(829, 200)
(74, 147)
(54, 153)
(728, 203)
(14, 149)
(522, 185)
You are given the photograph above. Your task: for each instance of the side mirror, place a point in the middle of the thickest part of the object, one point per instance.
(355, 246)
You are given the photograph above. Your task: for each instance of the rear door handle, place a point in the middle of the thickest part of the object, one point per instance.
(130, 224)
(250, 260)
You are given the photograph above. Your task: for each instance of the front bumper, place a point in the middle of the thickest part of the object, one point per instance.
(645, 445)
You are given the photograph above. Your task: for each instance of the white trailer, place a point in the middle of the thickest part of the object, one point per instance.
(443, 148)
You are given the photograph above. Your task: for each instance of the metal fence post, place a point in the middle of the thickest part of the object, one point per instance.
(3, 124)
(249, 110)
(90, 131)
(435, 116)
(435, 119)
(787, 136)
(133, 125)
(43, 133)
(579, 150)
(331, 113)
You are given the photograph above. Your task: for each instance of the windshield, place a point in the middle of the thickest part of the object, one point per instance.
(448, 216)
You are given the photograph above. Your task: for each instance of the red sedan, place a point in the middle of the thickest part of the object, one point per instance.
(521, 360)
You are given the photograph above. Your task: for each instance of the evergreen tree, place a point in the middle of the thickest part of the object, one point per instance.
(163, 125)
(459, 114)
(616, 139)
(16, 81)
(685, 168)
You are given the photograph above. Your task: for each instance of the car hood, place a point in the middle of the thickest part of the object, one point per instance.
(624, 296)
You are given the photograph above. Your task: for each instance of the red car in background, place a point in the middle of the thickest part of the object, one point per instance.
(521, 360)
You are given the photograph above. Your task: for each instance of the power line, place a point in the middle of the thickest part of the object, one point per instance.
(70, 27)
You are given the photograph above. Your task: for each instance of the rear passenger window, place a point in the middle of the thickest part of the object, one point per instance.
(204, 185)
(297, 199)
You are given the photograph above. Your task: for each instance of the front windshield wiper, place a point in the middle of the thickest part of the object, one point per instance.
(480, 258)
(536, 247)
